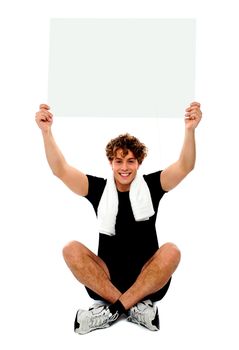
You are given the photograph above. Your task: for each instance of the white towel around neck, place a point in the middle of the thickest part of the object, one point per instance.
(140, 199)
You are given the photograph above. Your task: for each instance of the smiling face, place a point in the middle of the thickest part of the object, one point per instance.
(124, 169)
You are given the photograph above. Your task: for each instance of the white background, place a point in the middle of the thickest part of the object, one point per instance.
(39, 297)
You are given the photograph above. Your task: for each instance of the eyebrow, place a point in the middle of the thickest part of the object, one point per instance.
(132, 158)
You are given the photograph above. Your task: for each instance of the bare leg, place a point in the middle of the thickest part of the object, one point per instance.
(90, 270)
(154, 275)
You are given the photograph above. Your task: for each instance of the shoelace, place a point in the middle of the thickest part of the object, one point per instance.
(138, 315)
(102, 318)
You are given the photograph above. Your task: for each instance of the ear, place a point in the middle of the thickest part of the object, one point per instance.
(138, 166)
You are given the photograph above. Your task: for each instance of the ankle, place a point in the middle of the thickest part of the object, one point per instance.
(118, 307)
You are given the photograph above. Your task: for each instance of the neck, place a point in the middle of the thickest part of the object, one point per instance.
(121, 187)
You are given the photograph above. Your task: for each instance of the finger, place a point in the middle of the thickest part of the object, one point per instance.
(45, 113)
(41, 116)
(194, 109)
(195, 104)
(48, 115)
(191, 116)
(197, 112)
(44, 106)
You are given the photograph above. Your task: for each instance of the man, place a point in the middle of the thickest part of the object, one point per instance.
(131, 272)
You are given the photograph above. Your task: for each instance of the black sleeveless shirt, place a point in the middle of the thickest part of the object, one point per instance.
(134, 242)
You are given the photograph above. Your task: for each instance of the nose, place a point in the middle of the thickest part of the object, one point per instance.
(124, 166)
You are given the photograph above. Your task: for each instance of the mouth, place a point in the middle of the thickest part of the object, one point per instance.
(125, 175)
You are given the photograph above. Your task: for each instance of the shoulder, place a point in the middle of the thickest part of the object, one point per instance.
(153, 181)
(153, 178)
(96, 187)
(95, 179)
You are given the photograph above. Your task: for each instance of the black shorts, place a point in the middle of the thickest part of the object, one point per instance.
(126, 260)
(153, 297)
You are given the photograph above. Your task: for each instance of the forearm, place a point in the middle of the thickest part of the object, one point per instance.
(188, 153)
(176, 172)
(54, 156)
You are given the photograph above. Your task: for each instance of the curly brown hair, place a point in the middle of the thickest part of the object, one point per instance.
(126, 142)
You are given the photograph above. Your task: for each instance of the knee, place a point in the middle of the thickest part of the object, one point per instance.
(171, 253)
(72, 251)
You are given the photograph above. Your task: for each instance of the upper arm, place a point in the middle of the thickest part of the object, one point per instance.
(75, 180)
(172, 176)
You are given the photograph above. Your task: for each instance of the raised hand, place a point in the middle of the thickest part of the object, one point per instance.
(193, 115)
(44, 118)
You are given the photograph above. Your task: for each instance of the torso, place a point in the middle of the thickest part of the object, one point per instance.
(134, 242)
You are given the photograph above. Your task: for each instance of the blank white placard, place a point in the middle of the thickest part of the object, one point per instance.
(121, 67)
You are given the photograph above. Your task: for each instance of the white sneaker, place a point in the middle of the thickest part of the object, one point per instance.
(96, 317)
(145, 314)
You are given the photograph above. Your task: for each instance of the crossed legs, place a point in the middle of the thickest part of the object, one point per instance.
(91, 271)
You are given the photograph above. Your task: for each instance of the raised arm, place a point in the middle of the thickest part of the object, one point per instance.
(73, 178)
(176, 172)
